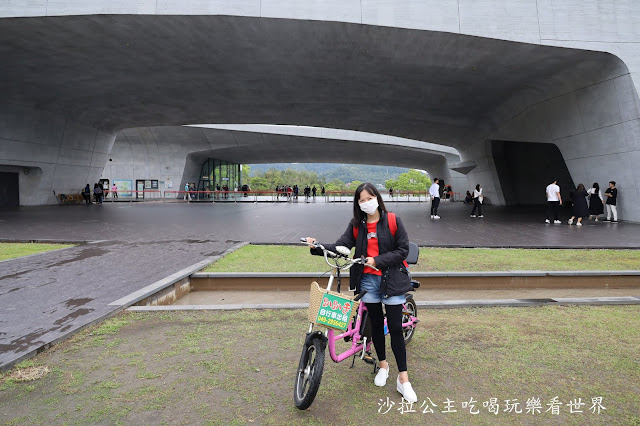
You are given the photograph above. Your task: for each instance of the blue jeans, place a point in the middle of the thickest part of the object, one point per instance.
(371, 283)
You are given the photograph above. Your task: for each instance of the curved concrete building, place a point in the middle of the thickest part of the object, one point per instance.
(523, 90)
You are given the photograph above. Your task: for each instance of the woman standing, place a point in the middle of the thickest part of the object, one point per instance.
(477, 201)
(596, 203)
(386, 253)
(580, 208)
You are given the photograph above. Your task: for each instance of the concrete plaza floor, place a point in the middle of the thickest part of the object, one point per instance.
(44, 297)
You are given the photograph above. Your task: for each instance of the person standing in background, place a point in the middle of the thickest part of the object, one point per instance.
(114, 191)
(612, 198)
(554, 201)
(187, 195)
(477, 201)
(596, 206)
(434, 191)
(580, 208)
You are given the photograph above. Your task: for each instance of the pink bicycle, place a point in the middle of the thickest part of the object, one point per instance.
(358, 329)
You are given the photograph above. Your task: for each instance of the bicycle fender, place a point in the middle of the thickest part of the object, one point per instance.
(319, 334)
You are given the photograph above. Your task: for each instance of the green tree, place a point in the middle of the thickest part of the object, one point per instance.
(335, 185)
(412, 180)
(260, 184)
(246, 174)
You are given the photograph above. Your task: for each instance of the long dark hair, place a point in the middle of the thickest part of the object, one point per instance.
(478, 187)
(359, 215)
(596, 186)
(580, 188)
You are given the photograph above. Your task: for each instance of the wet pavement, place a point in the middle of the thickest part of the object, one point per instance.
(45, 297)
(287, 222)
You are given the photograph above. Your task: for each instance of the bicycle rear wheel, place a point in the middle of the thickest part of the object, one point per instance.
(411, 310)
(309, 373)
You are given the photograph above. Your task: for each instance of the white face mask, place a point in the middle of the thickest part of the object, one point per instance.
(369, 207)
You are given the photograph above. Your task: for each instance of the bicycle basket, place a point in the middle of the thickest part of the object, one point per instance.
(327, 314)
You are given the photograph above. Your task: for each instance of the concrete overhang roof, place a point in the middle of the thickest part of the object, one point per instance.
(124, 71)
(255, 147)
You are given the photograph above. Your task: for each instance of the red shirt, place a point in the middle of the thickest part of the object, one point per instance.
(372, 246)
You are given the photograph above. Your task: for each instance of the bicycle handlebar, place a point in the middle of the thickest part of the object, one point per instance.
(328, 253)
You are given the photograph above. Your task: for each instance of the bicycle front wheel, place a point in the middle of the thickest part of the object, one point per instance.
(309, 373)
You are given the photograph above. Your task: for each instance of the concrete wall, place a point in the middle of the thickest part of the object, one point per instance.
(61, 155)
(597, 130)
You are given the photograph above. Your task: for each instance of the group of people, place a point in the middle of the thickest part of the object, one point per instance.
(477, 198)
(291, 192)
(190, 192)
(586, 203)
(98, 193)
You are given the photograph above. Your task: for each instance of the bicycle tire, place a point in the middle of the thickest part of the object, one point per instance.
(412, 309)
(309, 374)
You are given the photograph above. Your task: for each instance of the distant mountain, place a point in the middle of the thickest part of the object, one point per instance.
(345, 172)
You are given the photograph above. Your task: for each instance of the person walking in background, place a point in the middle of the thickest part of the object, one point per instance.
(391, 192)
(187, 195)
(313, 191)
(596, 206)
(477, 201)
(434, 191)
(612, 197)
(114, 191)
(554, 201)
(322, 191)
(580, 208)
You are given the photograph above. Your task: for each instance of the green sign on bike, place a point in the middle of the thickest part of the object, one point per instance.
(334, 311)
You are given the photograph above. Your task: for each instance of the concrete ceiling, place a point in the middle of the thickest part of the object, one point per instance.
(256, 148)
(125, 71)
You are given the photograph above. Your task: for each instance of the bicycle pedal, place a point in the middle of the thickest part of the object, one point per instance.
(370, 359)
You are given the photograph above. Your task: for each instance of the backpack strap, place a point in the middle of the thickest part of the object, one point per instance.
(393, 225)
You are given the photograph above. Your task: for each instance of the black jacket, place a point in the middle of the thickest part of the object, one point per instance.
(393, 251)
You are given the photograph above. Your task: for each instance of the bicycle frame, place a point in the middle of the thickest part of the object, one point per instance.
(353, 331)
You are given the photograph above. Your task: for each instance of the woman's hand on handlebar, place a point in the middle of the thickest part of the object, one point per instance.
(371, 262)
(310, 241)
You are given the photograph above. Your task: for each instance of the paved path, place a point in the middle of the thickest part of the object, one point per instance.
(287, 222)
(45, 297)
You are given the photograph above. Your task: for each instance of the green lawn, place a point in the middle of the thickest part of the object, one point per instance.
(13, 250)
(263, 258)
(238, 367)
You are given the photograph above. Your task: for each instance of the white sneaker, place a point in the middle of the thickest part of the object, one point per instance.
(481, 215)
(473, 215)
(406, 391)
(436, 217)
(579, 224)
(381, 377)
(431, 216)
(556, 222)
(570, 221)
(547, 221)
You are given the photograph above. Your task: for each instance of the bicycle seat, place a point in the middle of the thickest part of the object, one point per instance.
(414, 251)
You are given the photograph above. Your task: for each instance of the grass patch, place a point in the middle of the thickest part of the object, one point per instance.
(267, 258)
(13, 250)
(243, 371)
